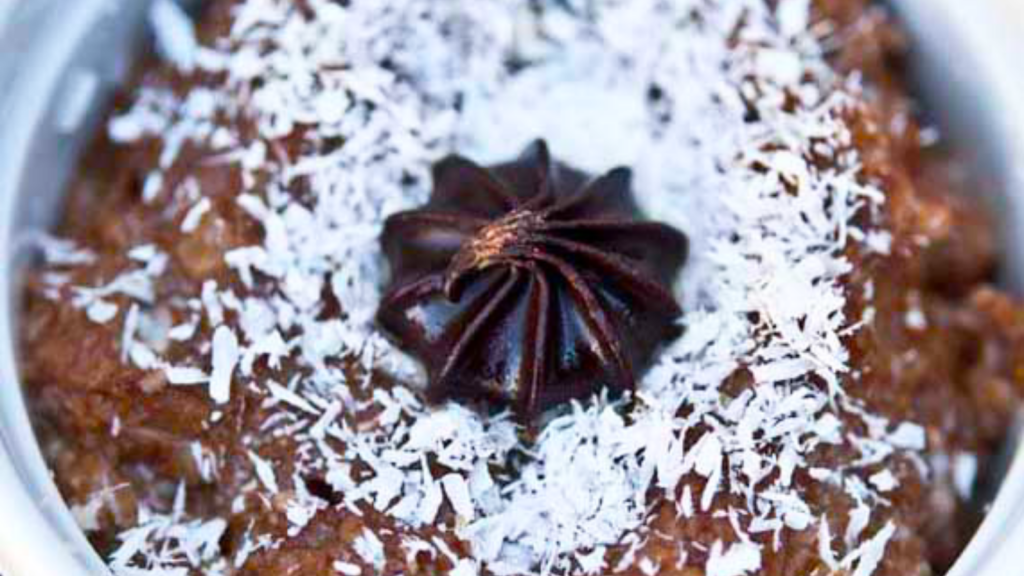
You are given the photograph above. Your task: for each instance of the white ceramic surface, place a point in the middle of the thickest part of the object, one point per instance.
(52, 50)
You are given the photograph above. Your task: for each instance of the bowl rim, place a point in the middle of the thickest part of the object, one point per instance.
(41, 542)
(989, 32)
(41, 538)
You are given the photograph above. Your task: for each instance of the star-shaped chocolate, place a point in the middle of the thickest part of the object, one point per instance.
(529, 284)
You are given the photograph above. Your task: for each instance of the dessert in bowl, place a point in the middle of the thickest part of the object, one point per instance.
(282, 329)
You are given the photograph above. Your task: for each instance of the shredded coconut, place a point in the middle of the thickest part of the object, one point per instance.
(168, 545)
(225, 359)
(737, 560)
(720, 108)
(174, 33)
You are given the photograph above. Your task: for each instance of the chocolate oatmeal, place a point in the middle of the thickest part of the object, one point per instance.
(215, 394)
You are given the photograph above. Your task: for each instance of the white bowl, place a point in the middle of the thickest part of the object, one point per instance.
(59, 59)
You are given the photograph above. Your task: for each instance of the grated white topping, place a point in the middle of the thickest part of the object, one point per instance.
(225, 357)
(739, 559)
(347, 569)
(175, 34)
(169, 545)
(371, 549)
(718, 106)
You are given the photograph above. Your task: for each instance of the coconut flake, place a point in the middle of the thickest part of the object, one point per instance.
(194, 217)
(739, 559)
(265, 472)
(370, 549)
(965, 472)
(175, 34)
(225, 358)
(101, 311)
(457, 490)
(869, 555)
(346, 568)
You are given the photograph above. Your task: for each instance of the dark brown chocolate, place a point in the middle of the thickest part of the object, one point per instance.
(530, 284)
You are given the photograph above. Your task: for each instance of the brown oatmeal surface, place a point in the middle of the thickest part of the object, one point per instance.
(105, 425)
